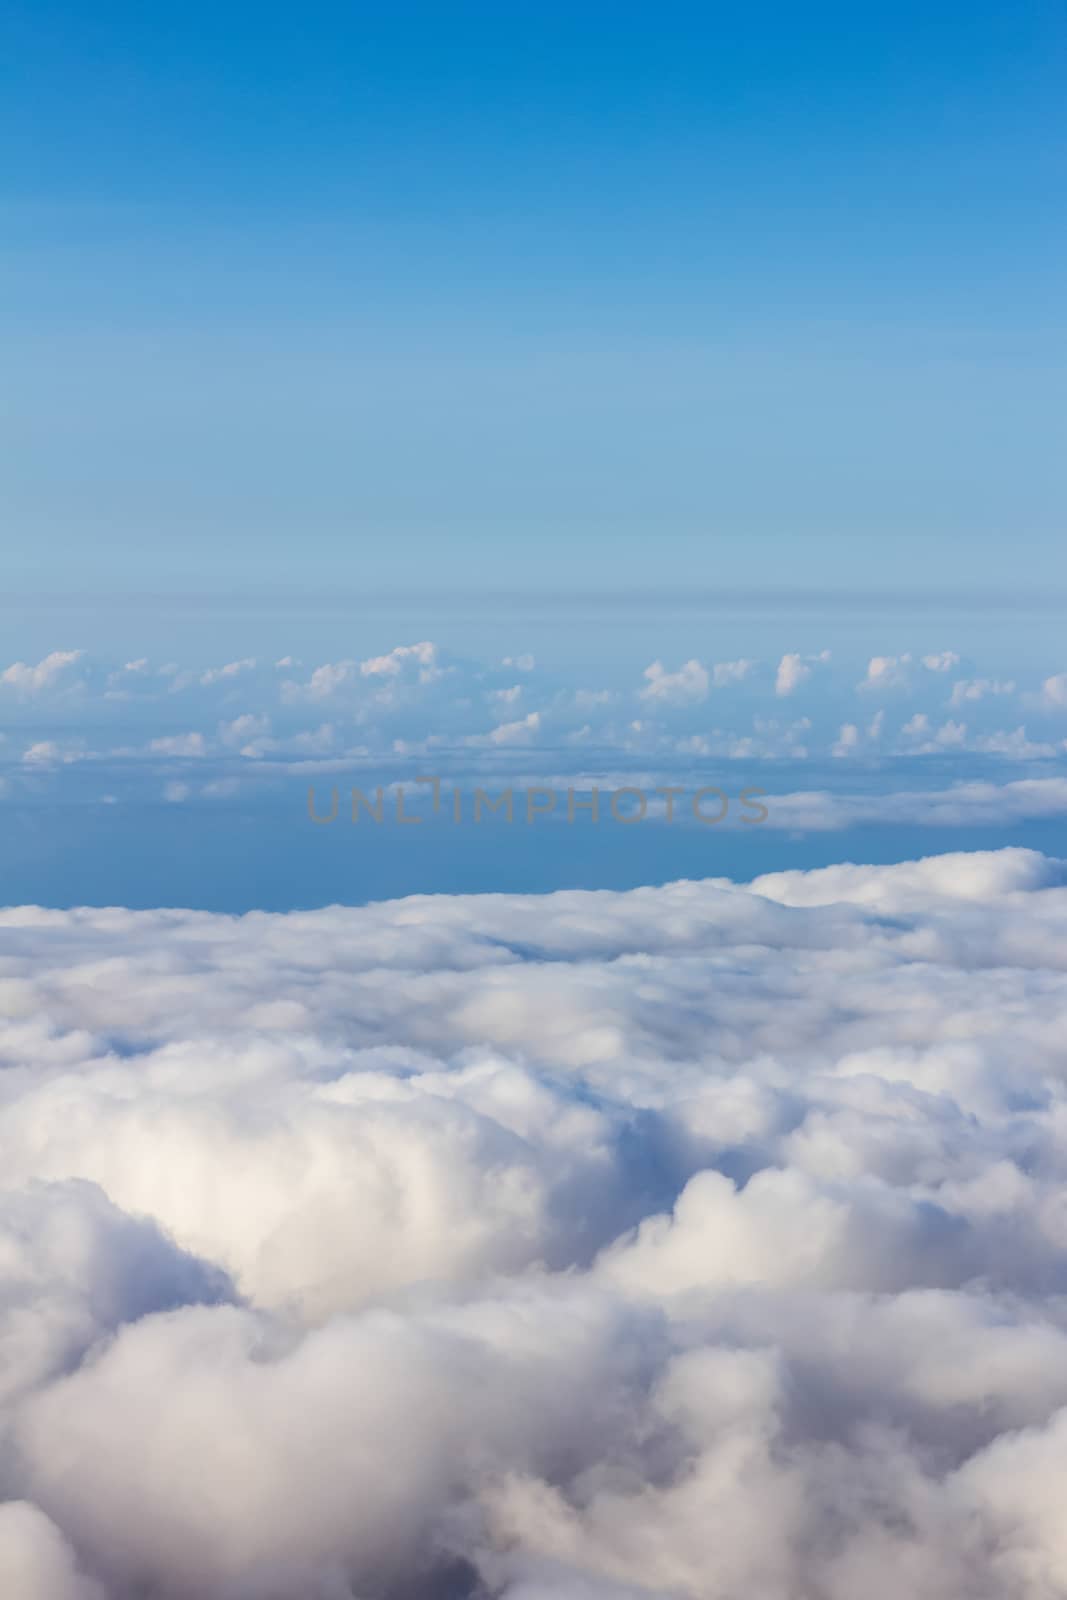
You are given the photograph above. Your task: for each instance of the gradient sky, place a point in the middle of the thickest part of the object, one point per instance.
(345, 297)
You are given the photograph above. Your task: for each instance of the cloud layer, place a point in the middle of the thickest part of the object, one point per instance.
(697, 1241)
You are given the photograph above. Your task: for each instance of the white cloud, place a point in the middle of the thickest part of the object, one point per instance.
(943, 661)
(1054, 690)
(793, 670)
(575, 1246)
(520, 732)
(179, 744)
(847, 740)
(36, 1562)
(45, 675)
(723, 673)
(44, 753)
(1016, 745)
(422, 657)
(887, 672)
(968, 689)
(232, 669)
(324, 681)
(968, 803)
(250, 734)
(686, 686)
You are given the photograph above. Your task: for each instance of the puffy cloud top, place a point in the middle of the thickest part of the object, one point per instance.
(697, 1241)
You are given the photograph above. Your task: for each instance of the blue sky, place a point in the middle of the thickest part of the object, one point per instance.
(345, 299)
(633, 340)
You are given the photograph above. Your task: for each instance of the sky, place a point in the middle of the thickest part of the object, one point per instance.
(323, 305)
(644, 344)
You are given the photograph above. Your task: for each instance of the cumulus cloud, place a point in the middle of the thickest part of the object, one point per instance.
(324, 681)
(232, 669)
(36, 1562)
(791, 673)
(705, 1240)
(968, 689)
(689, 684)
(969, 803)
(422, 658)
(886, 672)
(1054, 690)
(518, 732)
(847, 740)
(793, 670)
(250, 734)
(31, 680)
(45, 752)
(179, 744)
(724, 673)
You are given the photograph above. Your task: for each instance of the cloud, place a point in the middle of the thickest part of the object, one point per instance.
(1054, 691)
(968, 803)
(886, 672)
(179, 744)
(232, 669)
(422, 657)
(968, 689)
(686, 686)
(29, 680)
(323, 682)
(44, 753)
(724, 673)
(36, 1562)
(519, 732)
(593, 1245)
(847, 740)
(791, 673)
(793, 670)
(250, 734)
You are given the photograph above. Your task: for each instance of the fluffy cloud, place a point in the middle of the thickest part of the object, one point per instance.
(422, 658)
(34, 680)
(688, 684)
(886, 672)
(793, 670)
(968, 689)
(323, 682)
(791, 673)
(972, 803)
(518, 732)
(847, 740)
(180, 744)
(892, 672)
(232, 669)
(1054, 691)
(693, 1242)
(255, 726)
(724, 673)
